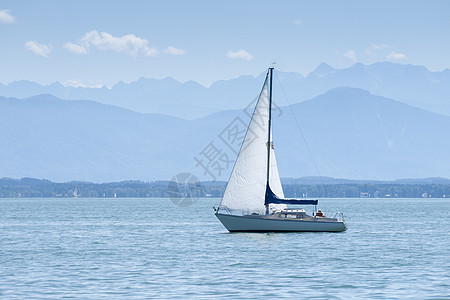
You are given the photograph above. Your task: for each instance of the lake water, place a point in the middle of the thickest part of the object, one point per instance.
(150, 248)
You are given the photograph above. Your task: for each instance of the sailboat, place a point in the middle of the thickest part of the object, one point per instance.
(254, 200)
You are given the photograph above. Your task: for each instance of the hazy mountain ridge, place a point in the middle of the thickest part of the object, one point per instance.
(78, 140)
(367, 136)
(411, 84)
(350, 133)
(414, 85)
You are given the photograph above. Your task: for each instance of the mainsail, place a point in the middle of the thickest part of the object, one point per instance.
(246, 188)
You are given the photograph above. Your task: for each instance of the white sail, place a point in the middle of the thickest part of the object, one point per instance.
(275, 182)
(247, 185)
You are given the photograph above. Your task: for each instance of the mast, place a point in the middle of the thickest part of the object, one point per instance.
(268, 136)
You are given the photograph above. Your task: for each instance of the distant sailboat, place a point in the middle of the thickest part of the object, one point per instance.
(254, 200)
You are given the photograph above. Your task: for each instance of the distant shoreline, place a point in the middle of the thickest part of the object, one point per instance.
(298, 188)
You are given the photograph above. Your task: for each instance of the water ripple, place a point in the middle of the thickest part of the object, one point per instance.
(148, 248)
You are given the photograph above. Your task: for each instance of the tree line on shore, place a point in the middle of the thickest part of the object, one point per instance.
(36, 188)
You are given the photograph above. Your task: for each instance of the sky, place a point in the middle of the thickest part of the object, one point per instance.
(95, 43)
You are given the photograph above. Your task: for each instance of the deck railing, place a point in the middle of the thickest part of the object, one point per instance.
(225, 210)
(339, 216)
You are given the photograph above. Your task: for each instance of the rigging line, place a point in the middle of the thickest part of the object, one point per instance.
(303, 137)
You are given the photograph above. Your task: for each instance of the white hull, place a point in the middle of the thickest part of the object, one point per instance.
(258, 223)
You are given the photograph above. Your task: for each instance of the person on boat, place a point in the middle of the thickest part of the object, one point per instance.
(320, 214)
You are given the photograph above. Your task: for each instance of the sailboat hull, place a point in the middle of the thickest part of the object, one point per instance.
(258, 223)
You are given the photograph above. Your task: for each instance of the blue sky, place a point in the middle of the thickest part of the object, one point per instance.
(92, 43)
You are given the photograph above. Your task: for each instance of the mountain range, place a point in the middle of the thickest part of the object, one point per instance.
(409, 84)
(342, 133)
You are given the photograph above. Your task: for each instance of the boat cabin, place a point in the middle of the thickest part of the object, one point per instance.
(291, 214)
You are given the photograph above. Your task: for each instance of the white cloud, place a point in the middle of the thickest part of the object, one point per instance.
(128, 44)
(377, 47)
(350, 54)
(396, 56)
(173, 51)
(75, 48)
(6, 17)
(39, 49)
(241, 54)
(381, 46)
(79, 83)
(383, 49)
(298, 22)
